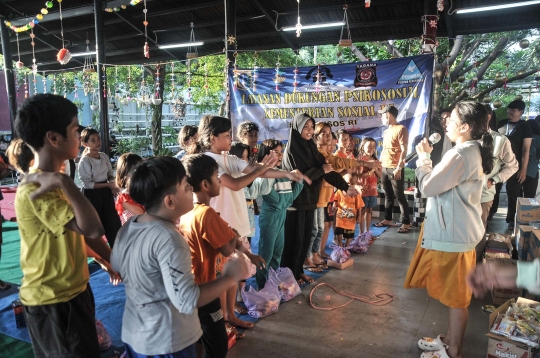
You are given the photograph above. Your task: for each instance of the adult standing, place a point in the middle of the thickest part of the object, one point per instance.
(395, 140)
(519, 134)
(446, 247)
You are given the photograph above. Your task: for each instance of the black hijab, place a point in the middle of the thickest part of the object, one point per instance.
(300, 153)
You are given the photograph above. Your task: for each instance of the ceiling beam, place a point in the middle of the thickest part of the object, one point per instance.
(268, 15)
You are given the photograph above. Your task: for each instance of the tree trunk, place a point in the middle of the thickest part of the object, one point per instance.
(157, 113)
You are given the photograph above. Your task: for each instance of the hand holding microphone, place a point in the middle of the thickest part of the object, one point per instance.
(425, 146)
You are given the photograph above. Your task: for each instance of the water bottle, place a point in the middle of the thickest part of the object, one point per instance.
(18, 311)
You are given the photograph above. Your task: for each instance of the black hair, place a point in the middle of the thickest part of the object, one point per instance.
(153, 179)
(186, 133)
(340, 133)
(334, 137)
(245, 127)
(475, 115)
(86, 133)
(125, 165)
(267, 146)
(535, 126)
(209, 126)
(361, 147)
(43, 113)
(199, 167)
(238, 148)
(20, 155)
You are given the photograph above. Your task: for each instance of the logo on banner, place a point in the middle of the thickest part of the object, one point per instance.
(366, 75)
(411, 74)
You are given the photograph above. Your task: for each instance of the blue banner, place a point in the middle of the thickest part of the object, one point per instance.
(346, 96)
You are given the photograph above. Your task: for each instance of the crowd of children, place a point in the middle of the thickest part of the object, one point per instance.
(179, 229)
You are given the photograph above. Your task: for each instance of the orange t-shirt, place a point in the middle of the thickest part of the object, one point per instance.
(347, 210)
(205, 232)
(393, 138)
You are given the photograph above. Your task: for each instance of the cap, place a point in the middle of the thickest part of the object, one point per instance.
(389, 109)
(517, 104)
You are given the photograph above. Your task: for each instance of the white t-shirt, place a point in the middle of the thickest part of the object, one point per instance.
(231, 205)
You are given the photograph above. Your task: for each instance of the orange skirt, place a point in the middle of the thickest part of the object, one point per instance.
(442, 274)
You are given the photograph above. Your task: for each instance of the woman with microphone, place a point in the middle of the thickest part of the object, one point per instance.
(445, 252)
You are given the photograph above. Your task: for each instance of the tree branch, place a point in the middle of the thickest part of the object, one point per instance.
(392, 50)
(466, 55)
(358, 53)
(499, 85)
(492, 56)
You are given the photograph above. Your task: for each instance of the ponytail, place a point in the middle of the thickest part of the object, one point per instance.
(486, 151)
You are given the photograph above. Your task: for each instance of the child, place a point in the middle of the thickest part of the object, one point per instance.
(348, 212)
(344, 139)
(160, 316)
(207, 235)
(186, 137)
(99, 186)
(125, 206)
(55, 220)
(272, 216)
(248, 133)
(367, 178)
(214, 140)
(22, 157)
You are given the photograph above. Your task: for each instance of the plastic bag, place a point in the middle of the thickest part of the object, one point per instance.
(340, 254)
(262, 303)
(361, 243)
(103, 336)
(284, 279)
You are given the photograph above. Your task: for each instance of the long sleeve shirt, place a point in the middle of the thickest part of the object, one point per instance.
(93, 170)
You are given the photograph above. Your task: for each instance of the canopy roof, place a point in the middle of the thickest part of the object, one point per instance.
(256, 25)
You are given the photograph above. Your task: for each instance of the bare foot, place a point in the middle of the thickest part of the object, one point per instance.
(235, 321)
(240, 309)
(306, 278)
(308, 262)
(324, 255)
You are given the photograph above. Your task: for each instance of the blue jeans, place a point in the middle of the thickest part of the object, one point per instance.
(316, 232)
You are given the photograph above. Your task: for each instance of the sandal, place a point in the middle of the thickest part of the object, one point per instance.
(322, 265)
(232, 329)
(432, 344)
(404, 229)
(441, 353)
(381, 224)
(313, 269)
(4, 286)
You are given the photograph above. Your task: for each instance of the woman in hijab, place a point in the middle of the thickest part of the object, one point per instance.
(301, 153)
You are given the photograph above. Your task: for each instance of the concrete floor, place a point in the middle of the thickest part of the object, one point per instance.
(360, 329)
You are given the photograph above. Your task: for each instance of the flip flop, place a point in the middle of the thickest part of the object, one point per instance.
(380, 224)
(403, 230)
(322, 265)
(313, 269)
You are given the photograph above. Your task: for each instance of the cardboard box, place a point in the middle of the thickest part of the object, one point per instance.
(533, 248)
(500, 346)
(341, 266)
(501, 295)
(528, 210)
(523, 235)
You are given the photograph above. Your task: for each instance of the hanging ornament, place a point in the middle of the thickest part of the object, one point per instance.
(25, 88)
(31, 24)
(519, 97)
(429, 36)
(440, 5)
(461, 79)
(157, 99)
(298, 24)
(235, 72)
(88, 65)
(75, 90)
(188, 79)
(54, 84)
(487, 99)
(497, 104)
(276, 79)
(524, 43)
(255, 73)
(18, 64)
(318, 79)
(345, 42)
(64, 84)
(192, 49)
(206, 78)
(63, 55)
(146, 48)
(34, 64)
(368, 3)
(520, 73)
(231, 39)
(296, 71)
(173, 84)
(44, 80)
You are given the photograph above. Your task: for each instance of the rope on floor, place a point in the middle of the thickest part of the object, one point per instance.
(380, 299)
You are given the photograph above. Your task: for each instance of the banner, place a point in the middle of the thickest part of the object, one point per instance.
(345, 96)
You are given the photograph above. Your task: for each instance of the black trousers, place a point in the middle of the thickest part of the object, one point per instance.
(103, 200)
(214, 338)
(394, 188)
(298, 226)
(515, 190)
(495, 205)
(66, 329)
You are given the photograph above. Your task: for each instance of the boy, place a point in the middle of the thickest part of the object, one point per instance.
(207, 235)
(53, 217)
(348, 213)
(160, 316)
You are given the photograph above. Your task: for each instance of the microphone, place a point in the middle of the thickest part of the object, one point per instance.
(433, 139)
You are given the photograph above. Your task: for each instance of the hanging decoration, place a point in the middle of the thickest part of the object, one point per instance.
(122, 7)
(296, 72)
(63, 55)
(368, 3)
(54, 84)
(34, 22)
(64, 84)
(75, 89)
(25, 88)
(318, 79)
(276, 79)
(255, 73)
(345, 42)
(157, 98)
(146, 48)
(524, 43)
(440, 5)
(206, 78)
(88, 65)
(188, 78)
(429, 36)
(298, 24)
(34, 64)
(94, 102)
(18, 64)
(143, 91)
(127, 98)
(44, 80)
(104, 80)
(192, 50)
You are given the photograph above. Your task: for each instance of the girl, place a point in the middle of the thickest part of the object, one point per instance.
(186, 136)
(367, 178)
(248, 134)
(344, 139)
(124, 205)
(99, 186)
(348, 213)
(214, 140)
(445, 252)
(301, 153)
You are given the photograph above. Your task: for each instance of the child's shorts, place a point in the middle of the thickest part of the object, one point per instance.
(347, 234)
(370, 201)
(329, 213)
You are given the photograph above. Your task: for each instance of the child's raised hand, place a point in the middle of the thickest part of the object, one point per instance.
(47, 181)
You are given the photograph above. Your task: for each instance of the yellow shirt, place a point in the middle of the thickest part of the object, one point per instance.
(393, 138)
(53, 258)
